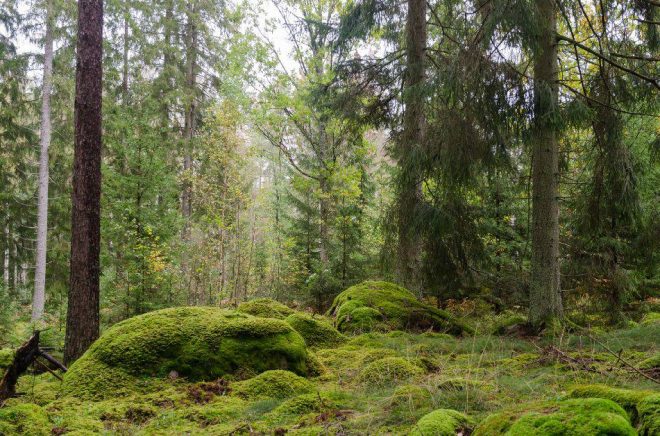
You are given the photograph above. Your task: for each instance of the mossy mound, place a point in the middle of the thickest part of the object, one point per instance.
(273, 384)
(442, 422)
(302, 405)
(507, 323)
(316, 332)
(383, 306)
(626, 398)
(651, 363)
(265, 308)
(199, 343)
(411, 397)
(388, 371)
(649, 415)
(28, 419)
(650, 318)
(584, 416)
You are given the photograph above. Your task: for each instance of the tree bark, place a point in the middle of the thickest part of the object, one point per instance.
(39, 297)
(409, 244)
(545, 297)
(82, 324)
(189, 118)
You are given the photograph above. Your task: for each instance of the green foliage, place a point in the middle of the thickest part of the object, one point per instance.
(273, 384)
(383, 306)
(266, 308)
(198, 343)
(442, 422)
(316, 331)
(579, 416)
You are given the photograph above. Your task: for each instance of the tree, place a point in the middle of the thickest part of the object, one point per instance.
(411, 143)
(39, 297)
(82, 323)
(545, 293)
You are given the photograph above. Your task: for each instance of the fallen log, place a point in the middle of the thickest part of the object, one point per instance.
(25, 355)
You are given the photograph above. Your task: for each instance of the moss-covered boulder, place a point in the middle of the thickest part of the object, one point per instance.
(388, 371)
(28, 419)
(273, 384)
(383, 306)
(315, 331)
(265, 308)
(442, 422)
(649, 415)
(626, 398)
(198, 343)
(584, 416)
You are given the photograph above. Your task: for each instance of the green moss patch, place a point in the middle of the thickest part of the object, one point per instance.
(383, 306)
(649, 415)
(28, 419)
(442, 422)
(198, 343)
(273, 384)
(585, 416)
(388, 371)
(316, 332)
(626, 398)
(265, 308)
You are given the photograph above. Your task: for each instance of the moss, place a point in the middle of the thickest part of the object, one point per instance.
(265, 308)
(198, 343)
(301, 405)
(6, 357)
(626, 398)
(584, 416)
(649, 415)
(388, 371)
(503, 324)
(411, 397)
(459, 384)
(650, 318)
(273, 384)
(27, 419)
(383, 306)
(316, 332)
(442, 422)
(650, 363)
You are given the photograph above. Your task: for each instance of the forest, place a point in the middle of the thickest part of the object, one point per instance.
(330, 217)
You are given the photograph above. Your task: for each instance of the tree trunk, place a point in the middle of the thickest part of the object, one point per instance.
(189, 119)
(410, 193)
(545, 303)
(39, 298)
(82, 323)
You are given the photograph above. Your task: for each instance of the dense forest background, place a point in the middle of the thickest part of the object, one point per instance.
(295, 148)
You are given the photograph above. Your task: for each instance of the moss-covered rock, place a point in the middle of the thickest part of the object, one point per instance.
(273, 384)
(383, 306)
(626, 398)
(316, 332)
(265, 308)
(584, 416)
(199, 343)
(649, 415)
(28, 419)
(388, 371)
(507, 322)
(442, 422)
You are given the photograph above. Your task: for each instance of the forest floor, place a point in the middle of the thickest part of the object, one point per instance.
(476, 374)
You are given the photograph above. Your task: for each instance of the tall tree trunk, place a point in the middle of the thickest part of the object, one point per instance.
(189, 119)
(82, 322)
(39, 297)
(545, 303)
(409, 244)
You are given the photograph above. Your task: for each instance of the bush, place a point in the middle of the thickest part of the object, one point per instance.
(198, 343)
(383, 306)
